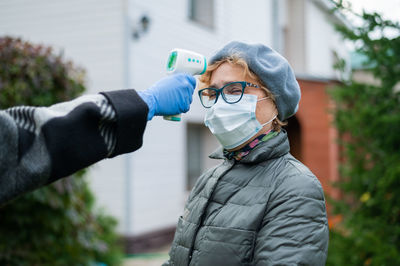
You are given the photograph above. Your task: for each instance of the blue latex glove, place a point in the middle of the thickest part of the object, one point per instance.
(170, 96)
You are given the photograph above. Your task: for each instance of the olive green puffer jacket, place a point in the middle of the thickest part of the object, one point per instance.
(267, 209)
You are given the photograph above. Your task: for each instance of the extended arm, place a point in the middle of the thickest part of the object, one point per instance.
(39, 145)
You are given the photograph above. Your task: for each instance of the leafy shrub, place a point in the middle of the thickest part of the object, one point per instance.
(55, 225)
(367, 117)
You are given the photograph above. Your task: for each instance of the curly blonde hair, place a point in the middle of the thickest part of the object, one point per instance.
(205, 80)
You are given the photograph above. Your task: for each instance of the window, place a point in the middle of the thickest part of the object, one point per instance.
(202, 12)
(200, 144)
(194, 153)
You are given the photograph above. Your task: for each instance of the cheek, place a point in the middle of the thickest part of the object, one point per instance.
(260, 113)
(264, 111)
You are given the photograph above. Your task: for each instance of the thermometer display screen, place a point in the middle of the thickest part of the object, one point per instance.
(172, 61)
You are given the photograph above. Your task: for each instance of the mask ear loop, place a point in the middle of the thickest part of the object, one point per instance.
(262, 99)
(272, 119)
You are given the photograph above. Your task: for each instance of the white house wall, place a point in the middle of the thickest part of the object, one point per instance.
(322, 41)
(90, 33)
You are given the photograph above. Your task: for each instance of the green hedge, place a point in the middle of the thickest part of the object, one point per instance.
(367, 117)
(58, 224)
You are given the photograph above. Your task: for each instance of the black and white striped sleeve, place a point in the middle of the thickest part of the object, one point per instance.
(107, 125)
(39, 145)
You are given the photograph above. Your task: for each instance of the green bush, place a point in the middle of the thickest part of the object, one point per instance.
(367, 117)
(55, 225)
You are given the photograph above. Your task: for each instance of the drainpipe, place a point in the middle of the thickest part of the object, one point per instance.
(277, 13)
(126, 78)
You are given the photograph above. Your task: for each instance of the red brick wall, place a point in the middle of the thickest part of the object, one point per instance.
(319, 151)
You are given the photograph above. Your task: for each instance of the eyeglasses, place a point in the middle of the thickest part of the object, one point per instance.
(231, 93)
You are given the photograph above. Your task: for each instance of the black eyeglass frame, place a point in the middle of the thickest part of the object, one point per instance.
(220, 92)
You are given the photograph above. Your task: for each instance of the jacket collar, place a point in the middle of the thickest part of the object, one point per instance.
(273, 148)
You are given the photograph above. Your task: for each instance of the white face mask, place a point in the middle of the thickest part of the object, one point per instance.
(234, 124)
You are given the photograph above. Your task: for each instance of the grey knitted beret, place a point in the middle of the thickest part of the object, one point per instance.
(274, 71)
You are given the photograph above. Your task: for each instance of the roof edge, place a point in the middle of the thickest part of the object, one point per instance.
(339, 17)
(316, 78)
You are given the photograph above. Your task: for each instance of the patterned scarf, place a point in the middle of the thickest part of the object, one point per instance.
(239, 154)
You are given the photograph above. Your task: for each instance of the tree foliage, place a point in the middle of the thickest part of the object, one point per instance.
(367, 116)
(55, 225)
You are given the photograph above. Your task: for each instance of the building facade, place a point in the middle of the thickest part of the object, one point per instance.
(125, 43)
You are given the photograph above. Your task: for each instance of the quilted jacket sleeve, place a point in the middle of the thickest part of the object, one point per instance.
(294, 229)
(39, 145)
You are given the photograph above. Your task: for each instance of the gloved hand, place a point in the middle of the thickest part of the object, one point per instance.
(170, 96)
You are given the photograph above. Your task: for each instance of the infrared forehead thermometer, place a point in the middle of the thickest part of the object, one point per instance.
(184, 61)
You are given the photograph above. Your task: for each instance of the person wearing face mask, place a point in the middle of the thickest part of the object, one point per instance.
(260, 206)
